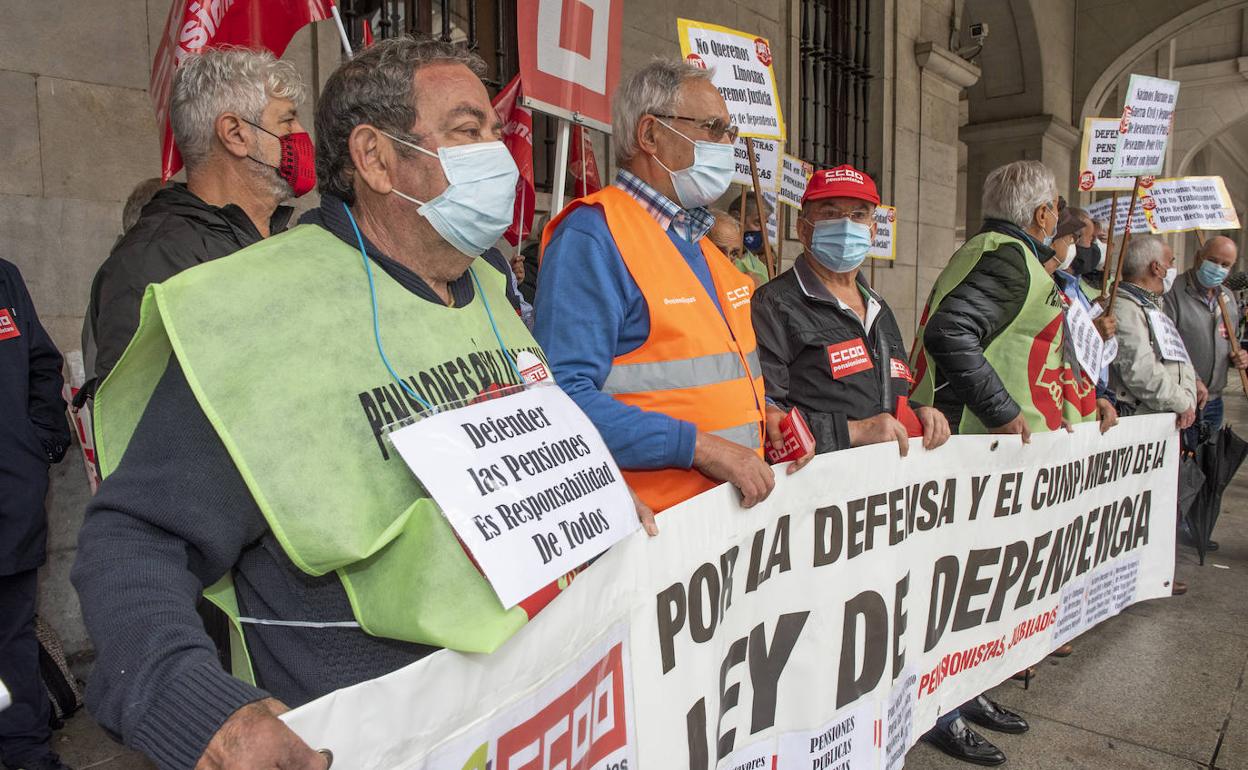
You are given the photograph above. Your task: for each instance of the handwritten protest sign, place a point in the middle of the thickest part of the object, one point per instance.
(1189, 203)
(1100, 142)
(766, 159)
(837, 618)
(1144, 130)
(526, 482)
(794, 174)
(1101, 210)
(742, 70)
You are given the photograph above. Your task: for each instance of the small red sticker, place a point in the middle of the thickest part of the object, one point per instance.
(763, 51)
(849, 358)
(1087, 180)
(8, 327)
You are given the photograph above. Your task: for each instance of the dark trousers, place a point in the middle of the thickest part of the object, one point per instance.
(24, 731)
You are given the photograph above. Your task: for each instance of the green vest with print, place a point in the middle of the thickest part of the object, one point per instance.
(1027, 354)
(276, 342)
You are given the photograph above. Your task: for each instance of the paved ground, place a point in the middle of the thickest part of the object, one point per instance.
(1160, 686)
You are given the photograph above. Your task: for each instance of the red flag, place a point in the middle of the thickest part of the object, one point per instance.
(518, 136)
(194, 25)
(582, 164)
(368, 33)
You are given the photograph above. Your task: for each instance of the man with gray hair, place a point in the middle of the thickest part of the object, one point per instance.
(1153, 372)
(646, 322)
(235, 122)
(251, 460)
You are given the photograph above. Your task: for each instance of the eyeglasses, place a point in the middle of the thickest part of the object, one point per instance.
(715, 128)
(857, 216)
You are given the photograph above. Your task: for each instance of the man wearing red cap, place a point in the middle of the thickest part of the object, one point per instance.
(829, 345)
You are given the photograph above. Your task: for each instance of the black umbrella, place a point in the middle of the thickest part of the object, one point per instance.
(1219, 459)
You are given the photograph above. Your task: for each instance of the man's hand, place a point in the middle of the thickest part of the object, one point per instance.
(253, 738)
(879, 429)
(1016, 426)
(1202, 394)
(644, 514)
(724, 460)
(1239, 359)
(774, 437)
(1106, 414)
(1185, 420)
(517, 267)
(1106, 324)
(935, 426)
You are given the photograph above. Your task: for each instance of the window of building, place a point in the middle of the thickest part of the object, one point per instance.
(835, 82)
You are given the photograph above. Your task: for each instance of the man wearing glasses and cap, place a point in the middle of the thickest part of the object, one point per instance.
(646, 324)
(829, 345)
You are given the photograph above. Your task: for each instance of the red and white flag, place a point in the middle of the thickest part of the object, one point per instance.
(518, 136)
(582, 164)
(194, 25)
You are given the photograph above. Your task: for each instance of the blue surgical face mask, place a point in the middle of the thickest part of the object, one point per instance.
(707, 177)
(753, 241)
(840, 245)
(1211, 275)
(478, 204)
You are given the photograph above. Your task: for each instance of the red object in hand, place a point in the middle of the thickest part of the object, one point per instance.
(798, 440)
(906, 416)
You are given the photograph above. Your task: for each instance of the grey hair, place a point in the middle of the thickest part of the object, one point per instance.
(375, 88)
(227, 79)
(1142, 251)
(1014, 191)
(651, 89)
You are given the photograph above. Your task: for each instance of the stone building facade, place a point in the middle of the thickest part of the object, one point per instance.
(929, 112)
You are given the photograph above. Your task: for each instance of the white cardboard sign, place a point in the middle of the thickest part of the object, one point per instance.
(884, 245)
(766, 158)
(1101, 210)
(1168, 338)
(1100, 142)
(1087, 341)
(741, 67)
(1189, 203)
(1144, 130)
(526, 482)
(794, 174)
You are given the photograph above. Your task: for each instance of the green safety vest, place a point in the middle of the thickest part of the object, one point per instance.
(276, 342)
(1027, 354)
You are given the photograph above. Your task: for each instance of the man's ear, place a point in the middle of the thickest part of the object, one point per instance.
(373, 158)
(232, 132)
(647, 126)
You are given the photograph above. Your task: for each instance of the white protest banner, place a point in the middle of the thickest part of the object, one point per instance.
(884, 245)
(1101, 210)
(794, 174)
(1189, 203)
(741, 70)
(867, 595)
(527, 484)
(766, 159)
(1100, 141)
(1144, 130)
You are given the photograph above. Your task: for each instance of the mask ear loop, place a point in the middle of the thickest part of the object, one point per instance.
(372, 292)
(490, 314)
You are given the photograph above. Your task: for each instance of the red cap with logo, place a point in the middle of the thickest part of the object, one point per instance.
(841, 182)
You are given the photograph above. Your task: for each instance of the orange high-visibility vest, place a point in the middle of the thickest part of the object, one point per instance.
(693, 366)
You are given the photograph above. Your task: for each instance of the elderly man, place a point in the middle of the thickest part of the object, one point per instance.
(33, 435)
(829, 345)
(254, 458)
(1193, 306)
(657, 348)
(994, 305)
(754, 221)
(234, 119)
(726, 235)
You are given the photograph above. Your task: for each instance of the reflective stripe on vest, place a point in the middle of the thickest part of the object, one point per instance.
(698, 364)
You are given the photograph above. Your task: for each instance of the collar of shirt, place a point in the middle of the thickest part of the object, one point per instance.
(690, 224)
(813, 287)
(1143, 294)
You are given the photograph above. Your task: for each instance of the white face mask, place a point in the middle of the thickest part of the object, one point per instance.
(1168, 281)
(1100, 263)
(708, 177)
(1071, 252)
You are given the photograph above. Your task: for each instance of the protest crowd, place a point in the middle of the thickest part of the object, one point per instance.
(247, 365)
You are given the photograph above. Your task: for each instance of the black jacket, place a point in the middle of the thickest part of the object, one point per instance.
(801, 327)
(34, 431)
(176, 230)
(968, 319)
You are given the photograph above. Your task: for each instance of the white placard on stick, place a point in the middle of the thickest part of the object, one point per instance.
(794, 174)
(1144, 130)
(1189, 203)
(884, 245)
(1101, 210)
(527, 484)
(766, 159)
(1100, 142)
(742, 70)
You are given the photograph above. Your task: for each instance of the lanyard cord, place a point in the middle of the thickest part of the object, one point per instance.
(372, 292)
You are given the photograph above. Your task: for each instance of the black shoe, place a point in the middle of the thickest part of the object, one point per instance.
(993, 716)
(961, 742)
(48, 761)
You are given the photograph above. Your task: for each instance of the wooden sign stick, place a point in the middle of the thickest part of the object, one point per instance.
(1126, 239)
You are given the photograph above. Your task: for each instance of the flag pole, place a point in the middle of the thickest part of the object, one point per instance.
(342, 31)
(559, 183)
